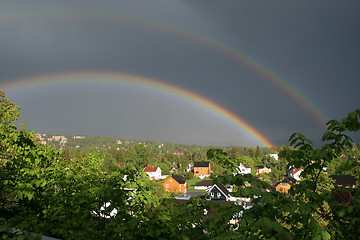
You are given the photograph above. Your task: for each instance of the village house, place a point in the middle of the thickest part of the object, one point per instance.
(219, 192)
(346, 181)
(203, 185)
(294, 173)
(153, 172)
(243, 169)
(202, 169)
(285, 185)
(262, 170)
(175, 183)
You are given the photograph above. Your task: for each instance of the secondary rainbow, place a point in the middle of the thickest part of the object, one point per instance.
(137, 81)
(225, 49)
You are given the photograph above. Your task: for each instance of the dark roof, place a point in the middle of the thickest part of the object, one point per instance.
(223, 189)
(288, 180)
(344, 180)
(201, 164)
(179, 179)
(204, 183)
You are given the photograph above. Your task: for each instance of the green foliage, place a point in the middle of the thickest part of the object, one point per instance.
(72, 196)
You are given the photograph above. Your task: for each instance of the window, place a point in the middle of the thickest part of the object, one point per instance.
(218, 194)
(170, 180)
(167, 185)
(281, 189)
(212, 194)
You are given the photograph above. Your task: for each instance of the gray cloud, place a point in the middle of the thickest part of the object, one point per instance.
(311, 45)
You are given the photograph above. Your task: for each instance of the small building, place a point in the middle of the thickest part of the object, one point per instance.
(274, 155)
(175, 183)
(202, 169)
(153, 172)
(346, 181)
(285, 185)
(203, 185)
(219, 192)
(262, 170)
(294, 173)
(243, 169)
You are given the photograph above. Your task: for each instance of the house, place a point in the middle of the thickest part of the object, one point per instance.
(274, 155)
(202, 169)
(219, 192)
(262, 170)
(203, 185)
(243, 169)
(175, 183)
(294, 173)
(346, 181)
(153, 172)
(285, 185)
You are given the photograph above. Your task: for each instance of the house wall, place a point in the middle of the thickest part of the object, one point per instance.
(202, 171)
(201, 187)
(156, 174)
(214, 195)
(283, 187)
(264, 170)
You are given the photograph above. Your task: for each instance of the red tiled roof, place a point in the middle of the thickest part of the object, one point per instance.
(247, 166)
(150, 169)
(294, 172)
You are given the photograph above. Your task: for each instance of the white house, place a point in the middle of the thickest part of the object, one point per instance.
(243, 169)
(274, 155)
(295, 173)
(204, 185)
(153, 172)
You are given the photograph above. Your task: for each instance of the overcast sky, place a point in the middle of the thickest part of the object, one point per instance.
(240, 55)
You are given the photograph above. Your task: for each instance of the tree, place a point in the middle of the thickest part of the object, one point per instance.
(43, 192)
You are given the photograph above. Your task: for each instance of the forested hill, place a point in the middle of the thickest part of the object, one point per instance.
(86, 143)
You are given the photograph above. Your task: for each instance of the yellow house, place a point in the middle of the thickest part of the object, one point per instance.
(262, 170)
(285, 185)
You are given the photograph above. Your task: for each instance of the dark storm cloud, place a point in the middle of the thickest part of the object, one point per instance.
(312, 45)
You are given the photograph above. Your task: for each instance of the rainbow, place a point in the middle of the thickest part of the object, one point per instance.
(135, 81)
(268, 74)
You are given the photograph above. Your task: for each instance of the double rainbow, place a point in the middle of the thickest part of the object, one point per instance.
(135, 81)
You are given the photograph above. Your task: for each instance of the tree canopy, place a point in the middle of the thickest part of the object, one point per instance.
(45, 191)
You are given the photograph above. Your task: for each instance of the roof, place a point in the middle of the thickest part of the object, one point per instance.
(246, 166)
(288, 180)
(204, 183)
(344, 180)
(179, 179)
(150, 169)
(201, 164)
(223, 189)
(295, 171)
